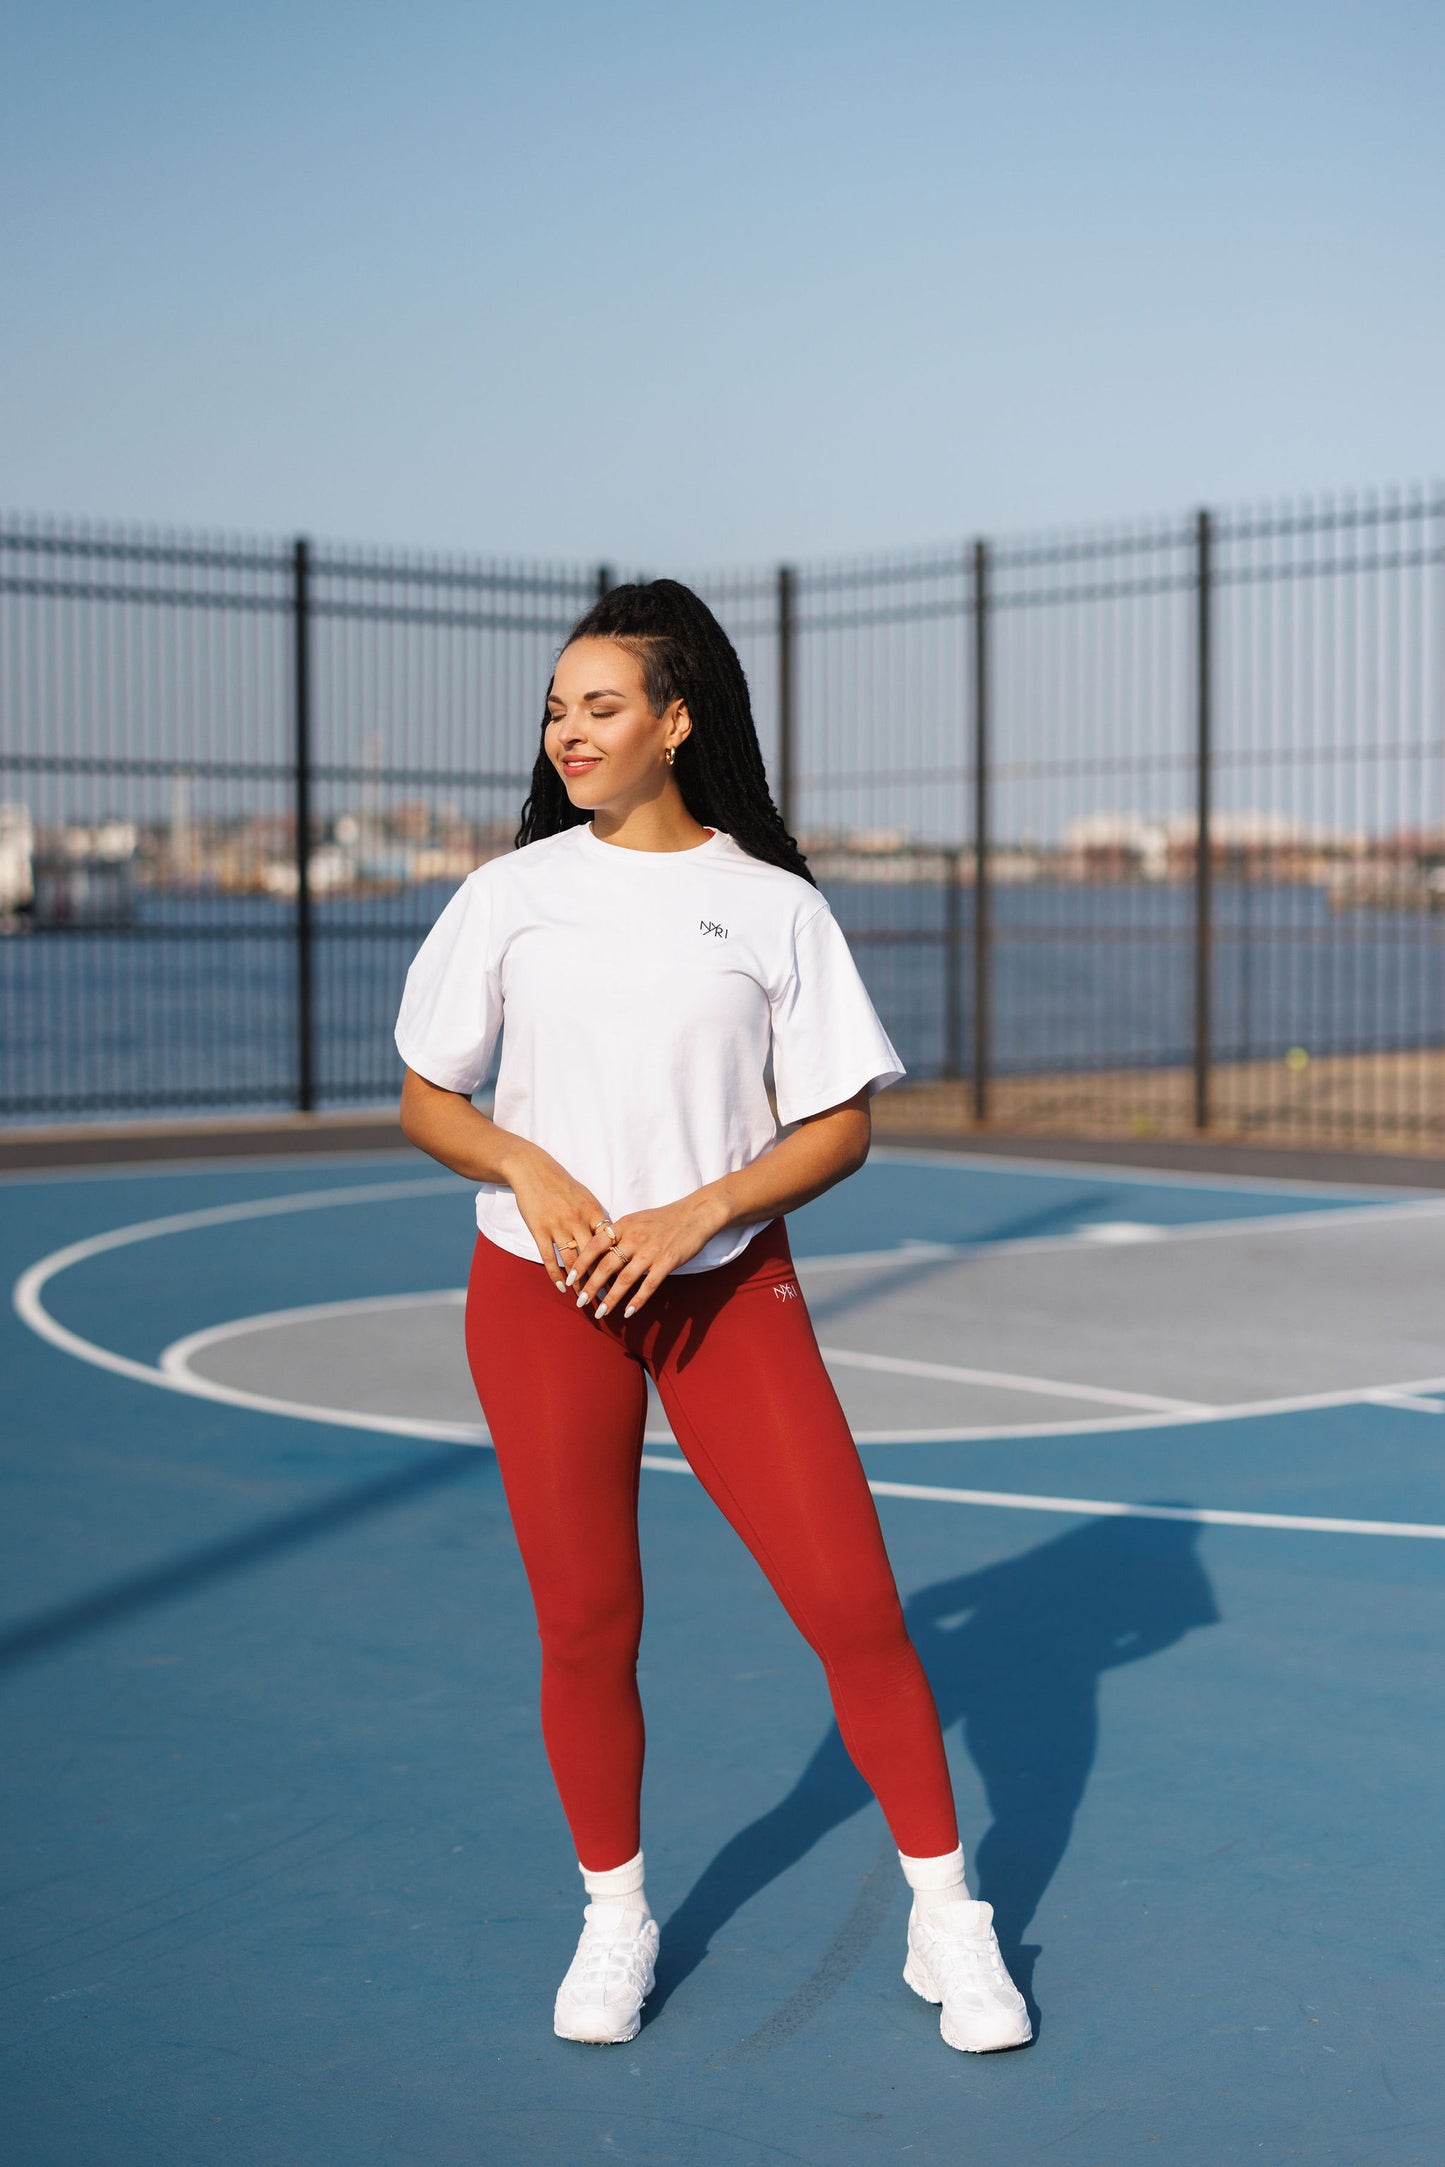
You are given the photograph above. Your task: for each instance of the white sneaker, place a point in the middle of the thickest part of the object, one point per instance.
(953, 1958)
(609, 1978)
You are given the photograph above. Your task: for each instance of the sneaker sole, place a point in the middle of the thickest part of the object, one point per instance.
(922, 1985)
(588, 2039)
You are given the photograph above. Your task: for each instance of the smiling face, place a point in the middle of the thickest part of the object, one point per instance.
(602, 736)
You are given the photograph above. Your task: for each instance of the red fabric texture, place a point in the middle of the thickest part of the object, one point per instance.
(737, 1367)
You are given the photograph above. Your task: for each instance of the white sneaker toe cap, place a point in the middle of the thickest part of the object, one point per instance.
(595, 2023)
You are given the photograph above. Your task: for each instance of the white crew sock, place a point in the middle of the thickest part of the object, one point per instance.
(935, 1881)
(619, 1889)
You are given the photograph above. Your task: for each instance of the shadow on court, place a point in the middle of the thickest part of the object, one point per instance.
(255, 1545)
(1014, 1653)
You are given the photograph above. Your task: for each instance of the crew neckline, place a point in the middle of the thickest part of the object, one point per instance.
(665, 857)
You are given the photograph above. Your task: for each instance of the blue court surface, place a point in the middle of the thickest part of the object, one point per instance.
(285, 1880)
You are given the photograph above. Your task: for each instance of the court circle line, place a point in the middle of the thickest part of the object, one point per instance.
(27, 1300)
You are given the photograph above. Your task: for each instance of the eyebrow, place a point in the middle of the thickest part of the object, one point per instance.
(604, 695)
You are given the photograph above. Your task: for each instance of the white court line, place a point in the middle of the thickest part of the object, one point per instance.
(176, 1362)
(32, 1283)
(1109, 1509)
(178, 1355)
(1079, 1241)
(1010, 1381)
(31, 1309)
(178, 1359)
(175, 1368)
(29, 1286)
(1106, 1508)
(1152, 1177)
(1405, 1396)
(271, 1162)
(954, 1162)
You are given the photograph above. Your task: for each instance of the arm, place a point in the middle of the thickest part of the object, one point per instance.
(447, 1126)
(823, 1148)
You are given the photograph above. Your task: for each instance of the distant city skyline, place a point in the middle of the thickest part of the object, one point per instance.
(68, 871)
(688, 287)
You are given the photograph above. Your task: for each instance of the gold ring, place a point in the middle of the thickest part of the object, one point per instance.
(569, 1245)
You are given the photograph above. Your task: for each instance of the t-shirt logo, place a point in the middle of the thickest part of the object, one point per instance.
(705, 925)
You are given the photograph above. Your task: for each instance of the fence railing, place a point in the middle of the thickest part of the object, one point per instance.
(1140, 828)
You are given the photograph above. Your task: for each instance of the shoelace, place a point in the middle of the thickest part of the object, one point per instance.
(966, 1960)
(604, 1961)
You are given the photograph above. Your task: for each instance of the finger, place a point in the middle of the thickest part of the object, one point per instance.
(621, 1288)
(601, 1274)
(542, 1236)
(574, 1236)
(580, 1247)
(652, 1281)
(570, 1240)
(595, 1247)
(584, 1260)
(589, 1238)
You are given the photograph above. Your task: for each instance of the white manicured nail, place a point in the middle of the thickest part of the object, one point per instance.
(627, 1312)
(601, 1310)
(570, 1277)
(584, 1296)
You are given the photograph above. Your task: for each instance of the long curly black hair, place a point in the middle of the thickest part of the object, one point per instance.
(685, 654)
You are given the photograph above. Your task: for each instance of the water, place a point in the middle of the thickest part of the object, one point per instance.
(194, 1006)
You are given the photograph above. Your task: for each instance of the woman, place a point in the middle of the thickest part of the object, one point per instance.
(653, 937)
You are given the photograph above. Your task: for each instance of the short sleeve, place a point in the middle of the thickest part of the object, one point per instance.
(451, 1009)
(827, 1039)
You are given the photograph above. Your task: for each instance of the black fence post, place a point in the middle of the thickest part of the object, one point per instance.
(1203, 864)
(301, 637)
(605, 581)
(785, 695)
(952, 959)
(982, 930)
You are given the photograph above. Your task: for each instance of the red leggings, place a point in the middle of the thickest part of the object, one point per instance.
(737, 1367)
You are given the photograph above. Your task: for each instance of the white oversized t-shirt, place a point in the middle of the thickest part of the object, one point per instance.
(638, 994)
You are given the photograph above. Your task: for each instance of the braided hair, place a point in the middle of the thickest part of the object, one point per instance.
(685, 654)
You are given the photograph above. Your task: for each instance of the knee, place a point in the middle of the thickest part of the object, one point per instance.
(867, 1628)
(588, 1640)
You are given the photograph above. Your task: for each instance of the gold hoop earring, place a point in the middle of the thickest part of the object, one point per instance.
(670, 753)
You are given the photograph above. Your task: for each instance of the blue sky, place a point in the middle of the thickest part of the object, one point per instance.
(692, 285)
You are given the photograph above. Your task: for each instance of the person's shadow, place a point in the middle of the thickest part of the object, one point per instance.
(1016, 1652)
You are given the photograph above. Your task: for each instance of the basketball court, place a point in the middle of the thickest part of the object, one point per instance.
(1158, 1459)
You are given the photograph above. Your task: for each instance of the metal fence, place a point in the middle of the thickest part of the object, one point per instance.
(1136, 829)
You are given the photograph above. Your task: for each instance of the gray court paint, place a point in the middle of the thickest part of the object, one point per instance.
(1201, 1330)
(175, 1374)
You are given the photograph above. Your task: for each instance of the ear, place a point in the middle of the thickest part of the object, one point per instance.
(681, 716)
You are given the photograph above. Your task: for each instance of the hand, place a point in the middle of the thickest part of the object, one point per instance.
(558, 1212)
(650, 1244)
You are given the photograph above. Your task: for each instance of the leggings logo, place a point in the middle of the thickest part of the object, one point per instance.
(786, 1290)
(705, 925)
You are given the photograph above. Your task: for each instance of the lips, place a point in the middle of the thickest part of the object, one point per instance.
(579, 767)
